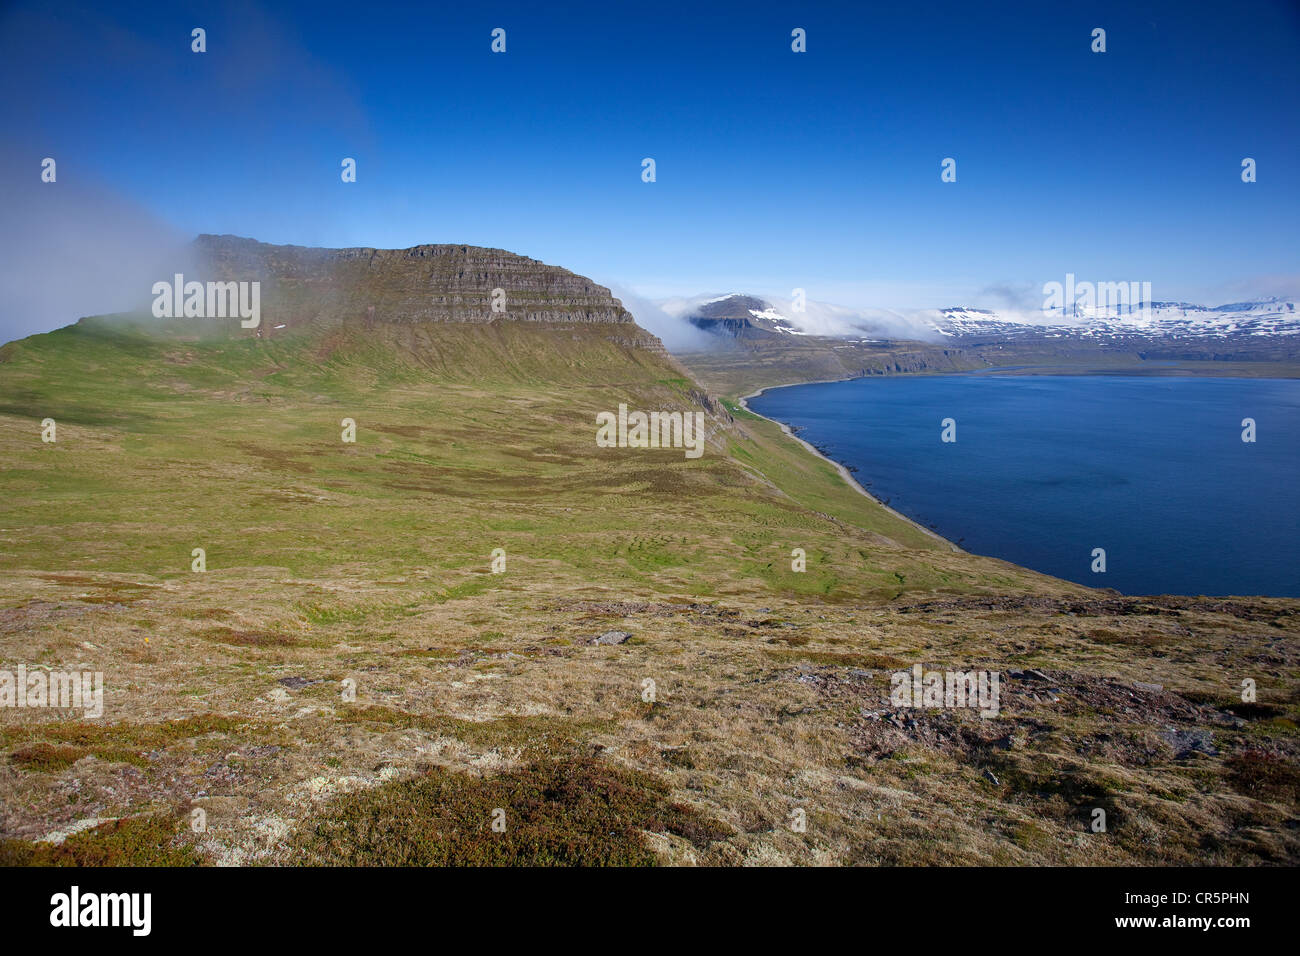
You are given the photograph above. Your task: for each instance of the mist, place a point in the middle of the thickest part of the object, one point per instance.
(72, 249)
(816, 318)
(677, 334)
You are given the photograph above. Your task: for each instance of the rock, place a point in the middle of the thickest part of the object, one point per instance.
(296, 682)
(613, 637)
(1189, 742)
(991, 778)
(58, 836)
(428, 283)
(1032, 674)
(1149, 688)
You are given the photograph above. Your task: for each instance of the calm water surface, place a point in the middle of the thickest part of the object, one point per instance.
(1047, 468)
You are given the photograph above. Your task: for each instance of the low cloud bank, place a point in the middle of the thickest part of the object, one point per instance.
(677, 334)
(823, 318)
(72, 249)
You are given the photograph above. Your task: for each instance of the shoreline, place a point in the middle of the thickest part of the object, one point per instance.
(842, 469)
(853, 483)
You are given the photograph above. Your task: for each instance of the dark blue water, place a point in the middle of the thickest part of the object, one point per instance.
(1047, 468)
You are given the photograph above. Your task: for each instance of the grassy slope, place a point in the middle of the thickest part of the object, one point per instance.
(234, 446)
(370, 561)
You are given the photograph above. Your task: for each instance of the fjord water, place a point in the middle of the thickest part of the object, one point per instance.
(1047, 468)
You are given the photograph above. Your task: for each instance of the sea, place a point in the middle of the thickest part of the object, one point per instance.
(1149, 474)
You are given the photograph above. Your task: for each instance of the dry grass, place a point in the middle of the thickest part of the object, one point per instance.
(744, 732)
(369, 564)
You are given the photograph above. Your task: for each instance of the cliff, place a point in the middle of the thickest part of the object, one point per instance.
(426, 283)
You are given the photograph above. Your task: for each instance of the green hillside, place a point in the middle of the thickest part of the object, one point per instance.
(370, 562)
(468, 438)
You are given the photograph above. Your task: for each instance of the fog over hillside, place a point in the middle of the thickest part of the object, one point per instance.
(75, 248)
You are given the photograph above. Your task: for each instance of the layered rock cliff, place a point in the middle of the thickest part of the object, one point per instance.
(428, 283)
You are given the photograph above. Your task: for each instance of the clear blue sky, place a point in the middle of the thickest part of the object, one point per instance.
(775, 169)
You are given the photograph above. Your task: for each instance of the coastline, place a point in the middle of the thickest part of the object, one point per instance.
(843, 471)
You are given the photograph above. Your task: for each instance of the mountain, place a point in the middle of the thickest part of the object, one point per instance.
(757, 343)
(423, 284)
(740, 316)
(1154, 320)
(747, 317)
(1264, 333)
(744, 316)
(356, 652)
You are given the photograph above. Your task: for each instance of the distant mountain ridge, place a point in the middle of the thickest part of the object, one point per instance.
(754, 343)
(749, 317)
(1173, 320)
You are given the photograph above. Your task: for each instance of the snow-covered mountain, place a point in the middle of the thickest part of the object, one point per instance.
(1157, 320)
(749, 317)
(735, 315)
(738, 315)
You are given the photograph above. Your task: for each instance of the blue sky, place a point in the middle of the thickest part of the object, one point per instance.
(819, 170)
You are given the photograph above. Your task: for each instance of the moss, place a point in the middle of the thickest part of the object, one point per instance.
(159, 840)
(48, 758)
(1063, 790)
(52, 747)
(791, 640)
(570, 812)
(93, 733)
(1263, 773)
(536, 736)
(1029, 836)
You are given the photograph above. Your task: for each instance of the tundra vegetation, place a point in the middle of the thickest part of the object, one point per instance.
(746, 720)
